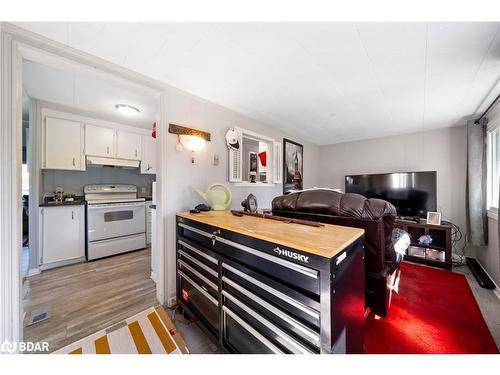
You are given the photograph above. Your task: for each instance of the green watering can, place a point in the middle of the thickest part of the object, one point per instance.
(217, 199)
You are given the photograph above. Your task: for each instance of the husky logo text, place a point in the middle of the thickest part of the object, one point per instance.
(291, 255)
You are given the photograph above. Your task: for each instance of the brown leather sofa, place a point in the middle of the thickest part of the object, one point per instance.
(375, 216)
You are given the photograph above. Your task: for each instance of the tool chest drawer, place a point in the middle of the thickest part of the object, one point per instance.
(273, 333)
(199, 300)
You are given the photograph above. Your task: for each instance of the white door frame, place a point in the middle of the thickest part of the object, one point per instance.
(15, 45)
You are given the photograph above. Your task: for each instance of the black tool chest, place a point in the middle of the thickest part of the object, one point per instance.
(259, 297)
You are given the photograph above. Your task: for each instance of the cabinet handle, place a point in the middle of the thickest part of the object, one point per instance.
(72, 215)
(74, 162)
(135, 153)
(107, 150)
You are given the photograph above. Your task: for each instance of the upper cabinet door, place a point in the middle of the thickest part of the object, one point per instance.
(63, 144)
(99, 141)
(128, 145)
(148, 160)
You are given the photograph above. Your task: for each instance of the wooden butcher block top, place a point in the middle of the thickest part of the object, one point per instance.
(326, 241)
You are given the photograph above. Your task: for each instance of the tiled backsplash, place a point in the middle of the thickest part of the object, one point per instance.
(73, 181)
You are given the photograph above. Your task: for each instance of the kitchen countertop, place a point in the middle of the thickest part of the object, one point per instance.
(48, 202)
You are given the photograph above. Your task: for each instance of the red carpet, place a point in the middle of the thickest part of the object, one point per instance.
(433, 312)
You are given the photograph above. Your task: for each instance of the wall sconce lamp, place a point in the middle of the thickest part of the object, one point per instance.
(192, 139)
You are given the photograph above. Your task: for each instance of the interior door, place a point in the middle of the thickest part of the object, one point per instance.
(128, 145)
(63, 144)
(99, 141)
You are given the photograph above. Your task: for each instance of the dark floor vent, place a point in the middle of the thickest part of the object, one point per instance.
(38, 315)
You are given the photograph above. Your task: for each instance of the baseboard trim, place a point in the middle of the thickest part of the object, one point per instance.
(171, 302)
(62, 263)
(496, 291)
(33, 271)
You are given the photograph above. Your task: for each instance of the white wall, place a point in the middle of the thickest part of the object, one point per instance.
(188, 110)
(442, 150)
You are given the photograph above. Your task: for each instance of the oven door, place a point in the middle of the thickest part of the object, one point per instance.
(111, 220)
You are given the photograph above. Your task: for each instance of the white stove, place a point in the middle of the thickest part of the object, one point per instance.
(116, 220)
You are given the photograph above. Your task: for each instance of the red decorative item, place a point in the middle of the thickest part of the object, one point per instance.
(153, 133)
(185, 295)
(263, 158)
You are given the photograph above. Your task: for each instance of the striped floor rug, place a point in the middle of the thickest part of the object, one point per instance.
(149, 332)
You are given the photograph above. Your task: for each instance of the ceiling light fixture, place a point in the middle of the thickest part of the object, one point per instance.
(127, 110)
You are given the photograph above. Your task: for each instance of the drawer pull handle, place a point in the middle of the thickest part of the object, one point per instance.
(251, 330)
(199, 275)
(313, 336)
(200, 253)
(199, 288)
(309, 311)
(198, 263)
(298, 348)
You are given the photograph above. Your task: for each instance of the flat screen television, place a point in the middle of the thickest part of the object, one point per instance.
(412, 193)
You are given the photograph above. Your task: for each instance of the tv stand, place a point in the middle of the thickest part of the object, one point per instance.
(438, 253)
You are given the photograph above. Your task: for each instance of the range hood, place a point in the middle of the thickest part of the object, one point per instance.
(95, 161)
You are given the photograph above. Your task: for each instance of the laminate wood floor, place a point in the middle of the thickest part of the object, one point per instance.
(87, 297)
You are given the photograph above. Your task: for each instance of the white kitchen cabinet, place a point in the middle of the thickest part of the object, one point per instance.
(128, 145)
(63, 237)
(62, 144)
(148, 160)
(99, 141)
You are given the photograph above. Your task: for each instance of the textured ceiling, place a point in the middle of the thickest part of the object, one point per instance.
(88, 94)
(324, 82)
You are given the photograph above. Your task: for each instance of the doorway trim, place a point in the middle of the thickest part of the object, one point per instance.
(15, 45)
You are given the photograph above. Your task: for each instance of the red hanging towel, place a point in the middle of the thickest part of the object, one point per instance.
(153, 133)
(263, 158)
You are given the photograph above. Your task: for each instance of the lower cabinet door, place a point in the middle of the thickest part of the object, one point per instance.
(240, 337)
(200, 301)
(62, 233)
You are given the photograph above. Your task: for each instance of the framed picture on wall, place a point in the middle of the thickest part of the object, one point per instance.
(293, 166)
